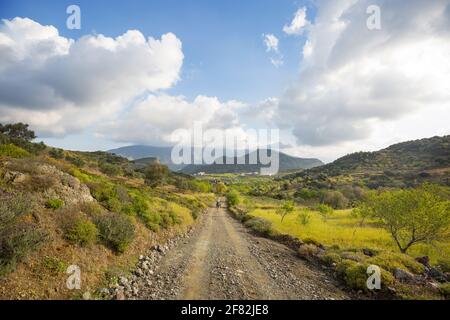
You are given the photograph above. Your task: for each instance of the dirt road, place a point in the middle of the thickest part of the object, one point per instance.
(222, 260)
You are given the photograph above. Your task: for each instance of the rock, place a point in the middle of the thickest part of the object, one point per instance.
(104, 292)
(404, 276)
(14, 177)
(141, 257)
(351, 256)
(425, 260)
(87, 295)
(434, 285)
(120, 295)
(368, 252)
(436, 274)
(123, 281)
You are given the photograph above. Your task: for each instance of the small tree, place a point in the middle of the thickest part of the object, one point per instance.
(411, 216)
(325, 211)
(156, 174)
(287, 208)
(17, 131)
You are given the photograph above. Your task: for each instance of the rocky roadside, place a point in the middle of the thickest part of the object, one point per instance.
(145, 273)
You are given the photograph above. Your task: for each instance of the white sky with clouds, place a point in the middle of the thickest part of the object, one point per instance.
(356, 89)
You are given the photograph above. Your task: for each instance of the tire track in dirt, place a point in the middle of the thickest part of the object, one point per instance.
(223, 260)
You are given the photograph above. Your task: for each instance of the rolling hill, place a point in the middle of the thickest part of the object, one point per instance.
(401, 164)
(136, 152)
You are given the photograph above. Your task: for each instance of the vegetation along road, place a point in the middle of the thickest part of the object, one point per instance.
(220, 259)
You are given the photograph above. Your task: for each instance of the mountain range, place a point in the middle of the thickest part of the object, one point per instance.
(163, 154)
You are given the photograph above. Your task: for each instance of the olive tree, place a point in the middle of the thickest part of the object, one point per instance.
(412, 215)
(286, 208)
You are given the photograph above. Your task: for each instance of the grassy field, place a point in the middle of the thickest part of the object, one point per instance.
(341, 229)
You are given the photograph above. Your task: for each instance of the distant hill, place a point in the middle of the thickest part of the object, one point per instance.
(407, 162)
(286, 163)
(141, 153)
(163, 154)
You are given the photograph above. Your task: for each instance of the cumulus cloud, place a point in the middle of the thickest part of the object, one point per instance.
(61, 86)
(298, 23)
(154, 119)
(353, 80)
(271, 42)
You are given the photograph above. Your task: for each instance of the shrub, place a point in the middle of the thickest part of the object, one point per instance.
(116, 230)
(330, 258)
(260, 225)
(307, 251)
(91, 208)
(54, 265)
(334, 199)
(10, 150)
(78, 162)
(54, 204)
(390, 261)
(56, 153)
(81, 231)
(444, 265)
(304, 217)
(152, 220)
(233, 198)
(312, 241)
(306, 194)
(17, 238)
(444, 289)
(156, 174)
(16, 243)
(324, 210)
(109, 169)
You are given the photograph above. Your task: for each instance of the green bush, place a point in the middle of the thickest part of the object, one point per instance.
(56, 153)
(116, 230)
(330, 258)
(334, 199)
(390, 261)
(81, 231)
(54, 265)
(444, 264)
(325, 211)
(304, 217)
(156, 174)
(54, 204)
(16, 243)
(78, 162)
(355, 275)
(17, 238)
(110, 169)
(444, 289)
(10, 150)
(261, 226)
(233, 198)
